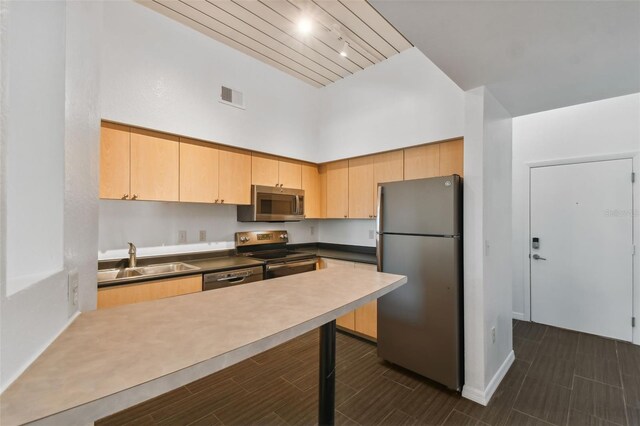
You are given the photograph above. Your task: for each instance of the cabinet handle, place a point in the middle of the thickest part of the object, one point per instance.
(216, 200)
(135, 197)
(221, 201)
(345, 216)
(125, 196)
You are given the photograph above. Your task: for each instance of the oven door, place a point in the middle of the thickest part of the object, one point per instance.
(283, 269)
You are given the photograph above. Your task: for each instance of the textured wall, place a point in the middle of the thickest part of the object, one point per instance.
(160, 74)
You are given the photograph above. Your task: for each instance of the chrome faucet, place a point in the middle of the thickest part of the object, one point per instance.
(132, 256)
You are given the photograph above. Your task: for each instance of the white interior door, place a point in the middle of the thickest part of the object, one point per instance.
(583, 216)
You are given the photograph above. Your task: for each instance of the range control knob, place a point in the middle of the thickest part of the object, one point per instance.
(244, 239)
(283, 236)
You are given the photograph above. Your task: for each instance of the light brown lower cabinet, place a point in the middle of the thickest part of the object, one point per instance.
(150, 290)
(364, 320)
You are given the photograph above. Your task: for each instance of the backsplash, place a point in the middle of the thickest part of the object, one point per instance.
(154, 228)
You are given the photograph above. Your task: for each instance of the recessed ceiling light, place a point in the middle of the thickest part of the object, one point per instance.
(305, 26)
(344, 52)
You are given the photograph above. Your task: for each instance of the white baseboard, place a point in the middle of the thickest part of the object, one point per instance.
(517, 315)
(483, 397)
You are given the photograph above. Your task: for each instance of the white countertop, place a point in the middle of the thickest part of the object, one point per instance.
(111, 359)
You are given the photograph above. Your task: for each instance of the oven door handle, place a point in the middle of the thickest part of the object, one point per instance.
(290, 264)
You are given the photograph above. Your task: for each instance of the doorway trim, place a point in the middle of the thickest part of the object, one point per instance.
(526, 248)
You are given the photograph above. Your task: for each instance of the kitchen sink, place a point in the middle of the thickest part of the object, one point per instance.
(165, 268)
(114, 274)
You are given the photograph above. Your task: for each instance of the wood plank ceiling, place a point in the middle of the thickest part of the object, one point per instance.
(269, 31)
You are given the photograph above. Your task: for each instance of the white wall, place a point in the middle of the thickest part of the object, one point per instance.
(358, 232)
(150, 225)
(487, 244)
(35, 153)
(160, 74)
(601, 129)
(498, 252)
(402, 101)
(56, 35)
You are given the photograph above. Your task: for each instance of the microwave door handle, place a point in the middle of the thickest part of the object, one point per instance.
(297, 204)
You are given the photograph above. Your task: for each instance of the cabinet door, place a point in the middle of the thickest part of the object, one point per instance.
(290, 174)
(311, 185)
(338, 189)
(198, 171)
(366, 317)
(150, 290)
(361, 188)
(264, 169)
(347, 320)
(114, 161)
(387, 167)
(234, 184)
(452, 158)
(422, 162)
(155, 165)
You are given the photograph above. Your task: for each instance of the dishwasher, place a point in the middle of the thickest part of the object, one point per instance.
(224, 279)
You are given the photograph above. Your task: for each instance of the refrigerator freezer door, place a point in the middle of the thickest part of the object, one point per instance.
(419, 324)
(423, 206)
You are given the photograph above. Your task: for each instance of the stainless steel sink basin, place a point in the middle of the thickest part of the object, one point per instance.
(113, 274)
(165, 268)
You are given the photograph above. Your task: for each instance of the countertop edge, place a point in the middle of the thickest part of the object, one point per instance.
(89, 412)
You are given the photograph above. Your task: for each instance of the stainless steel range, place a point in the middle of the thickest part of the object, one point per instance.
(271, 247)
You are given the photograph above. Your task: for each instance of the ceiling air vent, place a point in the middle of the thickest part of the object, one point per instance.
(231, 97)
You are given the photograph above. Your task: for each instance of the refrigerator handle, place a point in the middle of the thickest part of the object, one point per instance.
(379, 230)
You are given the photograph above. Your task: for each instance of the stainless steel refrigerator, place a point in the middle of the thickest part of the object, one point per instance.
(419, 231)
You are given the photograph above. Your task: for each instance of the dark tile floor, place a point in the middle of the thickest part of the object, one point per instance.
(559, 377)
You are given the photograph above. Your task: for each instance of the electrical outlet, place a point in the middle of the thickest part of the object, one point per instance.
(182, 237)
(493, 334)
(72, 291)
(371, 234)
(203, 235)
(312, 230)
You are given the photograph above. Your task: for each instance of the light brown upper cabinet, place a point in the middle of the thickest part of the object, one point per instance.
(198, 171)
(269, 170)
(235, 176)
(155, 166)
(337, 189)
(290, 173)
(422, 161)
(387, 167)
(114, 161)
(452, 158)
(312, 196)
(264, 169)
(361, 187)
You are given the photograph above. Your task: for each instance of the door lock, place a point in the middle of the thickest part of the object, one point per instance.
(538, 257)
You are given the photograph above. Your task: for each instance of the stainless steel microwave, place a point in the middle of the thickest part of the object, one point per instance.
(273, 204)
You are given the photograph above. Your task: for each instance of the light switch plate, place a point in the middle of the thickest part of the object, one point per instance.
(371, 234)
(182, 237)
(203, 235)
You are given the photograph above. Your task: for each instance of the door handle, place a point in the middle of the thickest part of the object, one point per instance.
(538, 257)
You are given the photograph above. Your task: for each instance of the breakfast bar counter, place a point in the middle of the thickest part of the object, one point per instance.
(110, 359)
